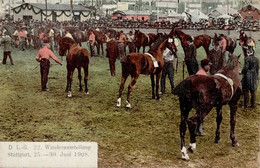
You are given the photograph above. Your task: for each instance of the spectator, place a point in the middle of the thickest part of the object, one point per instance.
(190, 57)
(250, 74)
(217, 58)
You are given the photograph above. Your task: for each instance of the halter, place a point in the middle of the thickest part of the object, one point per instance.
(230, 82)
(155, 63)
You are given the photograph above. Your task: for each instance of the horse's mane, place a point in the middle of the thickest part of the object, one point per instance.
(68, 40)
(158, 42)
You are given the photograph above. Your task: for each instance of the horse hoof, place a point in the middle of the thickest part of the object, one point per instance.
(86, 93)
(184, 154)
(192, 147)
(81, 90)
(235, 144)
(69, 94)
(118, 104)
(128, 105)
(217, 140)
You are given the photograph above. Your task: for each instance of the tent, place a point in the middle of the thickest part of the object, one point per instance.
(196, 15)
(225, 16)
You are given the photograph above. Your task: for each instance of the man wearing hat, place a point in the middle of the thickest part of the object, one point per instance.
(217, 58)
(43, 57)
(190, 57)
(250, 74)
(205, 67)
(7, 41)
(22, 38)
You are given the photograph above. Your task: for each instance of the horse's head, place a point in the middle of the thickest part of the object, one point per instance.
(233, 61)
(64, 45)
(243, 38)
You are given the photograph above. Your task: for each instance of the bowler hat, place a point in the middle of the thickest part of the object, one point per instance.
(205, 62)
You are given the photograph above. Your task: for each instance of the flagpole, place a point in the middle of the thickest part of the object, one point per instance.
(46, 9)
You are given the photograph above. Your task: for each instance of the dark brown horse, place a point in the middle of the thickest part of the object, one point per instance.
(230, 43)
(112, 54)
(142, 40)
(201, 40)
(80, 36)
(77, 57)
(150, 63)
(205, 92)
(244, 41)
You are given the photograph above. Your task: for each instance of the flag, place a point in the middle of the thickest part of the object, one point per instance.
(71, 4)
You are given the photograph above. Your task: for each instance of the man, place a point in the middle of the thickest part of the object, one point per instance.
(190, 57)
(130, 42)
(43, 57)
(250, 74)
(205, 67)
(121, 46)
(51, 37)
(22, 38)
(92, 40)
(7, 42)
(168, 68)
(217, 58)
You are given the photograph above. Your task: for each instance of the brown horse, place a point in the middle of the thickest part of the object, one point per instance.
(244, 41)
(112, 54)
(142, 40)
(150, 63)
(77, 57)
(201, 40)
(205, 92)
(231, 43)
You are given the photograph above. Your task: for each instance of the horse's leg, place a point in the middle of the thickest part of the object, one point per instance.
(102, 49)
(124, 77)
(185, 107)
(158, 76)
(143, 49)
(218, 120)
(152, 84)
(69, 81)
(233, 111)
(80, 77)
(130, 87)
(98, 49)
(193, 123)
(86, 79)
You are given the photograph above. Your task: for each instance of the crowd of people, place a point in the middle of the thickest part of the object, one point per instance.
(21, 33)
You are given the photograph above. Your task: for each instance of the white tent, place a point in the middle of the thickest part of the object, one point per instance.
(225, 16)
(197, 15)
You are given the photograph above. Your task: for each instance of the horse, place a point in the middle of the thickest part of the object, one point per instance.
(201, 40)
(112, 54)
(142, 40)
(150, 63)
(205, 92)
(77, 57)
(231, 43)
(79, 36)
(244, 41)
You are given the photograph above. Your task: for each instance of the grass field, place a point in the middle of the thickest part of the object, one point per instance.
(145, 136)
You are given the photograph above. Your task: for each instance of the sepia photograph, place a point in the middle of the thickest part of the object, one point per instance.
(129, 84)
